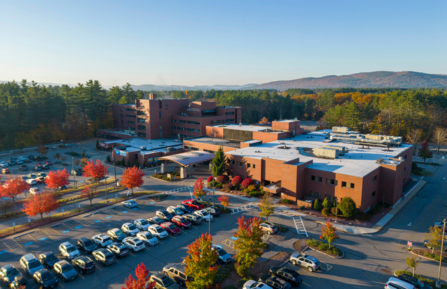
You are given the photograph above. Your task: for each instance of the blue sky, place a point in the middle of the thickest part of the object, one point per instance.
(217, 42)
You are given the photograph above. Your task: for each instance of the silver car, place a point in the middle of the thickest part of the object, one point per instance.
(311, 263)
(65, 270)
(68, 250)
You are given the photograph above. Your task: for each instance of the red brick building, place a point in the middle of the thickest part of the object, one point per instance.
(168, 118)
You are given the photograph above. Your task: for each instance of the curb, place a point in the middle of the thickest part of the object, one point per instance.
(167, 181)
(425, 257)
(324, 253)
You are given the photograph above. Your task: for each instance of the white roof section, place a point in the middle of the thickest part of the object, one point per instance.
(189, 158)
(357, 162)
(147, 144)
(243, 127)
(286, 120)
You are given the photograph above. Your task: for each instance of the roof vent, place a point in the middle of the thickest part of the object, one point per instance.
(240, 124)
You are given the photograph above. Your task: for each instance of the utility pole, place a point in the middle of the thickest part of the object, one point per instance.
(209, 221)
(72, 170)
(438, 284)
(114, 167)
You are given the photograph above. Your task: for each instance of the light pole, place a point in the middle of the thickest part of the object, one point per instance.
(438, 284)
(114, 167)
(72, 170)
(214, 183)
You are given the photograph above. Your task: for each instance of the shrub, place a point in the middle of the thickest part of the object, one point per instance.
(303, 207)
(246, 191)
(222, 179)
(348, 207)
(219, 186)
(317, 205)
(109, 158)
(313, 243)
(326, 212)
(253, 193)
(247, 182)
(335, 251)
(326, 204)
(286, 201)
(209, 179)
(323, 247)
(227, 187)
(137, 164)
(212, 184)
(236, 181)
(252, 188)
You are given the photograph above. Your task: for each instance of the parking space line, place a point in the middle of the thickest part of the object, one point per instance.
(131, 254)
(50, 232)
(12, 244)
(83, 221)
(81, 276)
(66, 226)
(61, 285)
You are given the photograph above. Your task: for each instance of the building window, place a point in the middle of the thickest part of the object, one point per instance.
(232, 162)
(122, 116)
(374, 179)
(229, 120)
(174, 135)
(217, 121)
(193, 122)
(254, 166)
(141, 120)
(212, 152)
(343, 184)
(173, 120)
(131, 122)
(191, 148)
(240, 164)
(373, 194)
(181, 128)
(351, 185)
(331, 182)
(229, 113)
(405, 157)
(315, 195)
(140, 134)
(121, 109)
(181, 121)
(129, 109)
(122, 121)
(316, 179)
(141, 127)
(248, 165)
(140, 112)
(173, 127)
(194, 129)
(129, 115)
(330, 198)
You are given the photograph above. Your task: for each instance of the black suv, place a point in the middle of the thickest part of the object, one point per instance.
(48, 259)
(413, 281)
(274, 282)
(45, 279)
(287, 274)
(163, 282)
(84, 265)
(86, 245)
(177, 273)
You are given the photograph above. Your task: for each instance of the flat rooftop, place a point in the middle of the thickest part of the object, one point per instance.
(147, 144)
(216, 141)
(357, 162)
(243, 127)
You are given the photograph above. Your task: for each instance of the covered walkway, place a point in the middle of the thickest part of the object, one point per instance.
(186, 160)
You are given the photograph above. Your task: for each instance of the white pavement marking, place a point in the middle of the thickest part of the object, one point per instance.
(177, 190)
(241, 208)
(325, 266)
(299, 225)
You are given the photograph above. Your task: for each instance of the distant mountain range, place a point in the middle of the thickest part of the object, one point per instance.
(197, 87)
(404, 79)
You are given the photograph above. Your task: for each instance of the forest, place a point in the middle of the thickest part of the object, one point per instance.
(33, 114)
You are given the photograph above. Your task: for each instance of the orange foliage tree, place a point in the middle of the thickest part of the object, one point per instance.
(132, 177)
(263, 120)
(225, 201)
(40, 204)
(95, 171)
(57, 179)
(88, 194)
(199, 192)
(13, 187)
(142, 279)
(329, 233)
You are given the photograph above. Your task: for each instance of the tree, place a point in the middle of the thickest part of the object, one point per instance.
(83, 162)
(348, 207)
(316, 205)
(264, 120)
(434, 238)
(326, 203)
(225, 201)
(424, 151)
(132, 177)
(97, 145)
(352, 116)
(412, 263)
(13, 187)
(89, 194)
(64, 158)
(266, 206)
(43, 150)
(57, 179)
(440, 136)
(5, 206)
(329, 233)
(142, 281)
(414, 136)
(199, 192)
(236, 181)
(57, 156)
(220, 165)
(95, 171)
(40, 204)
(200, 263)
(77, 162)
(249, 244)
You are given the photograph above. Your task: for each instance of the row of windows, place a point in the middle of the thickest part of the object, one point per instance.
(194, 129)
(129, 115)
(130, 109)
(140, 134)
(141, 127)
(182, 135)
(332, 182)
(193, 122)
(140, 112)
(191, 148)
(131, 122)
(242, 164)
(141, 120)
(229, 113)
(317, 195)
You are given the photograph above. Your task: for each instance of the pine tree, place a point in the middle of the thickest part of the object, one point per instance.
(326, 203)
(352, 116)
(220, 165)
(317, 205)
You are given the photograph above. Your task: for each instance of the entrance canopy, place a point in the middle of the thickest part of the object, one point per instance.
(189, 158)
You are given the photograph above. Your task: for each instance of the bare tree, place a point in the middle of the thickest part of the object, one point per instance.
(414, 137)
(440, 136)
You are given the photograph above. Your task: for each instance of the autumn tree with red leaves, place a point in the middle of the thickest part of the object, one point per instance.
(142, 279)
(225, 201)
(249, 244)
(329, 233)
(13, 187)
(199, 192)
(88, 193)
(95, 171)
(132, 177)
(200, 263)
(57, 179)
(40, 204)
(264, 120)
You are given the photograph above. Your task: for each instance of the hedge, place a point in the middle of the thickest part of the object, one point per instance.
(324, 247)
(427, 281)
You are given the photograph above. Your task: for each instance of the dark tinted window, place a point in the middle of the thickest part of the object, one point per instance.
(46, 276)
(88, 243)
(33, 264)
(66, 268)
(51, 257)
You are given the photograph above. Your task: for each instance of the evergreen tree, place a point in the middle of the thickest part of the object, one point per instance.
(326, 204)
(352, 116)
(220, 165)
(317, 205)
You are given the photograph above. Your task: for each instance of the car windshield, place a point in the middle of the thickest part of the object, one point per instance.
(66, 268)
(118, 233)
(194, 203)
(89, 264)
(138, 243)
(222, 252)
(181, 220)
(88, 243)
(51, 257)
(106, 239)
(205, 213)
(177, 210)
(143, 222)
(172, 226)
(160, 230)
(167, 281)
(70, 249)
(33, 264)
(131, 227)
(12, 272)
(46, 276)
(157, 219)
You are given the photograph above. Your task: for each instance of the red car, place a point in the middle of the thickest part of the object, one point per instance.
(181, 222)
(6, 171)
(193, 204)
(171, 228)
(38, 164)
(48, 163)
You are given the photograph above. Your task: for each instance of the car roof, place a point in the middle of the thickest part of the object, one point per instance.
(66, 244)
(47, 253)
(154, 226)
(167, 223)
(115, 229)
(400, 282)
(127, 224)
(29, 257)
(62, 262)
(8, 267)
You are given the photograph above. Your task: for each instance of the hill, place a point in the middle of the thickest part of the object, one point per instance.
(404, 79)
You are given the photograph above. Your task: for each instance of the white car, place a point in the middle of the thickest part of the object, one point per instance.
(34, 191)
(252, 284)
(175, 211)
(311, 263)
(134, 244)
(204, 214)
(69, 251)
(4, 164)
(31, 182)
(129, 229)
(157, 231)
(142, 224)
(130, 204)
(102, 240)
(147, 238)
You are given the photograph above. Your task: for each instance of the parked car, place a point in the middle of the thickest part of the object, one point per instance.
(252, 284)
(43, 175)
(6, 171)
(8, 273)
(104, 256)
(413, 281)
(204, 214)
(439, 224)
(45, 167)
(274, 282)
(397, 283)
(19, 162)
(48, 163)
(142, 224)
(30, 264)
(129, 229)
(23, 168)
(86, 245)
(84, 265)
(130, 204)
(181, 222)
(155, 221)
(175, 211)
(311, 263)
(31, 182)
(48, 259)
(193, 218)
(269, 227)
(26, 160)
(34, 191)
(45, 279)
(193, 204)
(185, 209)
(164, 215)
(68, 251)
(171, 228)
(40, 180)
(158, 231)
(31, 157)
(19, 282)
(37, 168)
(32, 176)
(133, 244)
(163, 282)
(147, 238)
(177, 273)
(11, 163)
(4, 164)
(102, 240)
(224, 257)
(65, 270)
(24, 178)
(76, 172)
(119, 249)
(116, 234)
(291, 276)
(215, 212)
